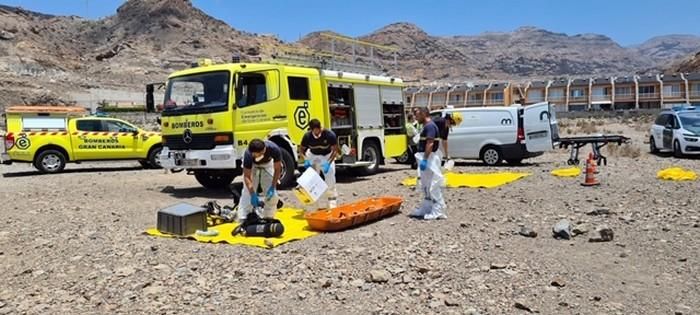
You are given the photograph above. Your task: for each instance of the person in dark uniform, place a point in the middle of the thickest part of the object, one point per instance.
(262, 165)
(319, 148)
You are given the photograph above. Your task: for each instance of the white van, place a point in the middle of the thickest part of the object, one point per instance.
(498, 133)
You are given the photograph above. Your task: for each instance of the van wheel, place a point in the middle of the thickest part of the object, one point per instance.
(214, 180)
(370, 153)
(491, 156)
(50, 161)
(154, 157)
(652, 146)
(677, 149)
(287, 178)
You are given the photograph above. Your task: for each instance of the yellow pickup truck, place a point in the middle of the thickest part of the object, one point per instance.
(49, 137)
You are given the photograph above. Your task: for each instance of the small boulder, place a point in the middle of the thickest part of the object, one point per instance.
(602, 234)
(562, 229)
(527, 232)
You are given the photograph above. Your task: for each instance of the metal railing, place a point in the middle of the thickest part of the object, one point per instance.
(535, 99)
(602, 97)
(674, 94)
(695, 94)
(475, 102)
(580, 98)
(624, 96)
(649, 95)
(556, 98)
(498, 101)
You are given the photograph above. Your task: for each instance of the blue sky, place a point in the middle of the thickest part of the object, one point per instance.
(628, 22)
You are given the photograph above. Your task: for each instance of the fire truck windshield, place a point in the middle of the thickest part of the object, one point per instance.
(197, 93)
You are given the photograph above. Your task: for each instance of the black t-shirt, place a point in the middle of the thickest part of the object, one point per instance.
(322, 145)
(441, 123)
(430, 132)
(272, 152)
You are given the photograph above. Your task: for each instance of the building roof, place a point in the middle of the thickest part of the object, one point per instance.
(538, 84)
(479, 87)
(693, 76)
(441, 89)
(647, 79)
(460, 87)
(499, 85)
(671, 78)
(46, 109)
(412, 89)
(623, 80)
(601, 80)
(580, 82)
(560, 83)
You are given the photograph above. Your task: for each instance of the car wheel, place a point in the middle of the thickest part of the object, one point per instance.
(154, 157)
(652, 146)
(287, 178)
(50, 161)
(677, 149)
(213, 180)
(491, 156)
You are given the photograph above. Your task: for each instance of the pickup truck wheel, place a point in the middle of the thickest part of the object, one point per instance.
(145, 164)
(154, 157)
(491, 155)
(214, 180)
(50, 161)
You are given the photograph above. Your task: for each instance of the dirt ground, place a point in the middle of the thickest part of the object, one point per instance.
(72, 243)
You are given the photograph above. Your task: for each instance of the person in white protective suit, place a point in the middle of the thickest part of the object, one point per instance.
(430, 176)
(262, 165)
(319, 148)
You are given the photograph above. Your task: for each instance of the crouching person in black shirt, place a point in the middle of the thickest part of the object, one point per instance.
(262, 165)
(319, 148)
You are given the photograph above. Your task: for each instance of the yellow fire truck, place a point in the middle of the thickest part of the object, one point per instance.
(212, 111)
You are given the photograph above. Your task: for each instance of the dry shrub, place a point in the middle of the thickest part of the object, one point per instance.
(588, 128)
(624, 150)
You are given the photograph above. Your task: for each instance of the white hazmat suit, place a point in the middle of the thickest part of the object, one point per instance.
(329, 199)
(430, 183)
(263, 175)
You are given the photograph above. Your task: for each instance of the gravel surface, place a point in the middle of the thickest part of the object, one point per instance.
(72, 243)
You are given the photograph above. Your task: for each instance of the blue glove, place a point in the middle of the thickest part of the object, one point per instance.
(307, 164)
(423, 165)
(270, 192)
(254, 200)
(326, 167)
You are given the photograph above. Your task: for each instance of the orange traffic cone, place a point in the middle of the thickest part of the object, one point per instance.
(593, 163)
(590, 175)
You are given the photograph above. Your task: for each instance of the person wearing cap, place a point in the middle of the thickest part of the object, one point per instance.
(318, 149)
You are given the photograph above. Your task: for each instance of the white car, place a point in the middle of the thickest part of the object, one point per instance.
(497, 133)
(676, 130)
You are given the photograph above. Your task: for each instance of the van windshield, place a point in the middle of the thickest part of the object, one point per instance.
(197, 93)
(691, 122)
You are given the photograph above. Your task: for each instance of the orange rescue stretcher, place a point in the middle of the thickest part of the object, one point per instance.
(353, 214)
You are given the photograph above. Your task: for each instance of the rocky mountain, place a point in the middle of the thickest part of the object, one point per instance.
(42, 56)
(45, 58)
(688, 64)
(524, 53)
(665, 49)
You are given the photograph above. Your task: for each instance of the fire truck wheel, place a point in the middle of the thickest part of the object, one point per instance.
(287, 178)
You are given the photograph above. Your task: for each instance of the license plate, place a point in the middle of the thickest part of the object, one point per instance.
(186, 162)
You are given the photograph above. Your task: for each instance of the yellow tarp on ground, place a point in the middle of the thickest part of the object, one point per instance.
(474, 180)
(567, 172)
(676, 173)
(295, 228)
